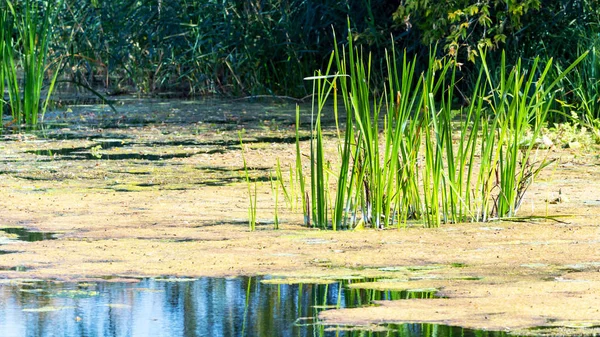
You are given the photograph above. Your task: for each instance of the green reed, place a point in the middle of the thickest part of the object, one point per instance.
(4, 29)
(300, 173)
(520, 101)
(252, 190)
(287, 195)
(581, 88)
(411, 155)
(28, 49)
(275, 192)
(323, 86)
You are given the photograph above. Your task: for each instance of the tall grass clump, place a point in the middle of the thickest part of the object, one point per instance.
(27, 31)
(580, 97)
(322, 88)
(411, 155)
(236, 47)
(520, 102)
(4, 29)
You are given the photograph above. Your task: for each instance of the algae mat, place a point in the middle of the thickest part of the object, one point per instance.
(159, 191)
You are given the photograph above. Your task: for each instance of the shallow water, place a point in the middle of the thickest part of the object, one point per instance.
(173, 307)
(23, 234)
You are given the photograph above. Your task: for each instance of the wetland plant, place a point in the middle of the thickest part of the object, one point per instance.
(275, 191)
(519, 104)
(4, 29)
(300, 173)
(318, 179)
(281, 184)
(252, 189)
(411, 155)
(582, 88)
(26, 33)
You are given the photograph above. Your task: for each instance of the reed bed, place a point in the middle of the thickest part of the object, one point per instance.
(411, 156)
(26, 33)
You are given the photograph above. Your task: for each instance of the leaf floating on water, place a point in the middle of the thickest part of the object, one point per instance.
(422, 290)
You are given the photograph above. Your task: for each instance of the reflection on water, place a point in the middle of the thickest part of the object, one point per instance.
(203, 307)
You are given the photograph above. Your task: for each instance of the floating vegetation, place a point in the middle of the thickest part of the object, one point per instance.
(78, 293)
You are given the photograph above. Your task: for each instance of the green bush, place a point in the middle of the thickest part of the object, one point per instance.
(227, 47)
(525, 28)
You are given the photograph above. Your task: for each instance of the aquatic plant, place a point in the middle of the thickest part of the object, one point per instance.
(318, 169)
(300, 173)
(579, 97)
(28, 48)
(415, 169)
(252, 193)
(275, 192)
(4, 29)
(288, 196)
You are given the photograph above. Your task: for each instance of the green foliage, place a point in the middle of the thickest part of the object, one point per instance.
(580, 94)
(415, 169)
(203, 47)
(526, 28)
(27, 31)
(4, 29)
(465, 23)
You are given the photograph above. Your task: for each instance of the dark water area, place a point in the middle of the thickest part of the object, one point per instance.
(240, 306)
(23, 234)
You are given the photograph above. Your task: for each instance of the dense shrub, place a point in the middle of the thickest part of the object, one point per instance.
(267, 46)
(231, 47)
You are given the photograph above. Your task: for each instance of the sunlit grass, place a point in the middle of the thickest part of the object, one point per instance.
(28, 50)
(410, 155)
(252, 189)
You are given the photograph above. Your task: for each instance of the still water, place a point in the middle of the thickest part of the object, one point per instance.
(242, 306)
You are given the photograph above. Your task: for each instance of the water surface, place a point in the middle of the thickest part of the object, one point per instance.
(204, 307)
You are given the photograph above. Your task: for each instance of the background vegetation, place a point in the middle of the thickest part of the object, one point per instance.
(262, 47)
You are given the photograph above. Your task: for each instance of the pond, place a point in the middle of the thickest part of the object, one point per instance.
(158, 188)
(241, 306)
